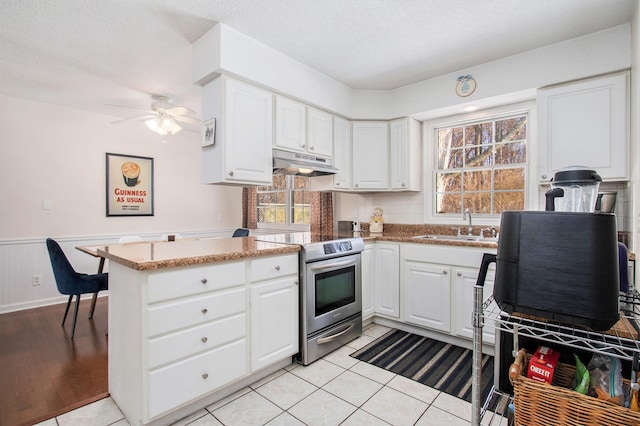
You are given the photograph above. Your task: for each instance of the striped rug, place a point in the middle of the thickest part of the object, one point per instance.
(440, 365)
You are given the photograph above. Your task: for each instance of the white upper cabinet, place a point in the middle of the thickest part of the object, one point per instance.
(319, 132)
(342, 153)
(405, 154)
(585, 123)
(370, 155)
(241, 152)
(291, 130)
(300, 128)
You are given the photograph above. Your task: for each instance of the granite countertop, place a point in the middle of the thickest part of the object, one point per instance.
(189, 251)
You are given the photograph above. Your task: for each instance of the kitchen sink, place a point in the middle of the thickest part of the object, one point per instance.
(457, 238)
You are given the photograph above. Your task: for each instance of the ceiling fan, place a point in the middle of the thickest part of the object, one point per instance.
(163, 117)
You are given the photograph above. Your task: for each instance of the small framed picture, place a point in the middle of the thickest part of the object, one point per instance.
(209, 132)
(129, 185)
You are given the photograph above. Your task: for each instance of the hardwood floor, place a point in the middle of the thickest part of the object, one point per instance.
(43, 373)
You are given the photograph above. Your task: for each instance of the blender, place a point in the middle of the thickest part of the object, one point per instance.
(573, 189)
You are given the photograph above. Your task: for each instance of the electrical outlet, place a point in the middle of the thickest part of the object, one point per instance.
(36, 280)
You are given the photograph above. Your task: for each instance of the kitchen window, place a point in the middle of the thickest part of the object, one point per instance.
(480, 163)
(286, 202)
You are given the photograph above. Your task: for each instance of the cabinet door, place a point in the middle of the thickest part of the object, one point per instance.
(427, 295)
(405, 154)
(370, 155)
(399, 153)
(319, 132)
(387, 279)
(368, 274)
(290, 120)
(274, 321)
(585, 123)
(342, 153)
(465, 281)
(249, 133)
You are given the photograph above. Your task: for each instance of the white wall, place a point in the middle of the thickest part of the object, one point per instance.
(55, 154)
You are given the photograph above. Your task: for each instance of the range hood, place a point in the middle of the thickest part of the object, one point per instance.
(292, 163)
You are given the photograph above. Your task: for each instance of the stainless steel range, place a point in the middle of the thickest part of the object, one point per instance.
(330, 291)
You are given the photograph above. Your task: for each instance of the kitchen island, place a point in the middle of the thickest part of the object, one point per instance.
(191, 321)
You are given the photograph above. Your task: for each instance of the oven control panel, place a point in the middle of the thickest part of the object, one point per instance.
(337, 247)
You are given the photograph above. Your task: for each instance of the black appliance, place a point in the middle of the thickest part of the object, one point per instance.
(561, 266)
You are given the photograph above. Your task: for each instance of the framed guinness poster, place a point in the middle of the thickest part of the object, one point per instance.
(129, 185)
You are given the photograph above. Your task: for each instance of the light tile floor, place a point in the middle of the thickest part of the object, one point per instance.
(336, 390)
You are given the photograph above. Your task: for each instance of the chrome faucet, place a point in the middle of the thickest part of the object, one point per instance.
(465, 216)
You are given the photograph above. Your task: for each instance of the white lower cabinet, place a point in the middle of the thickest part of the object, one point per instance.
(189, 379)
(274, 321)
(438, 287)
(387, 279)
(427, 295)
(368, 274)
(465, 280)
(177, 335)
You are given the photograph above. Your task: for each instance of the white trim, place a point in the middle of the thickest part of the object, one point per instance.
(429, 163)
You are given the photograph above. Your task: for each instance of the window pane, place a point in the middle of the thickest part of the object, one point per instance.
(446, 182)
(511, 153)
(508, 201)
(449, 203)
(479, 156)
(450, 159)
(280, 181)
(477, 180)
(301, 215)
(300, 182)
(450, 138)
(477, 202)
(511, 129)
(479, 134)
(509, 178)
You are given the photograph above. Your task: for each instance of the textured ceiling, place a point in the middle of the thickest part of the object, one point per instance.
(88, 53)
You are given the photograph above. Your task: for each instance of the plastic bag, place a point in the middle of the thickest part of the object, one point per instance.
(606, 378)
(582, 377)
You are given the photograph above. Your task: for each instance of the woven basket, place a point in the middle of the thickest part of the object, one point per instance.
(541, 404)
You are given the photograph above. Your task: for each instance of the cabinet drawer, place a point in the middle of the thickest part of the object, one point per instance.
(194, 280)
(166, 349)
(192, 378)
(195, 311)
(265, 268)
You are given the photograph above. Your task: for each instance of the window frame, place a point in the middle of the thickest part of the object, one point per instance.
(288, 209)
(430, 152)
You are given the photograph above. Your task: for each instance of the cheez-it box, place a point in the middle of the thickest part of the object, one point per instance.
(543, 364)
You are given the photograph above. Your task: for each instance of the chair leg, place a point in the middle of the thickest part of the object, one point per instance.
(66, 311)
(93, 304)
(75, 316)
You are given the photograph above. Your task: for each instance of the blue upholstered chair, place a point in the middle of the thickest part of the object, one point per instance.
(241, 232)
(73, 283)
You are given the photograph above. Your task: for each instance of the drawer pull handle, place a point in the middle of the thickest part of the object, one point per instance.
(204, 339)
(444, 272)
(203, 281)
(204, 310)
(459, 274)
(277, 268)
(205, 376)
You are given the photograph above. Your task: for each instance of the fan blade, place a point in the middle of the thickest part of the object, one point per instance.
(185, 119)
(179, 110)
(141, 118)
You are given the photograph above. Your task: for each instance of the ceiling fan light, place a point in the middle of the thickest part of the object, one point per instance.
(153, 124)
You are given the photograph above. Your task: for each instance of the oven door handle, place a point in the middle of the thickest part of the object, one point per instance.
(335, 336)
(333, 265)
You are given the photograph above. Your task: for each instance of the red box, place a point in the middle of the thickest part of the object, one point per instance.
(542, 365)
